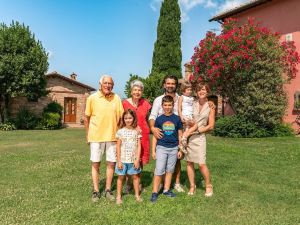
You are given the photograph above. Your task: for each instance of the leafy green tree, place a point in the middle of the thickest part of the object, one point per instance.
(23, 64)
(153, 86)
(167, 54)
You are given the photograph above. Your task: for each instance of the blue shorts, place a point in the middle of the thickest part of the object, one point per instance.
(128, 168)
(166, 159)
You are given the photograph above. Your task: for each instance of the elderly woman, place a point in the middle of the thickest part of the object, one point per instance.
(141, 107)
(204, 119)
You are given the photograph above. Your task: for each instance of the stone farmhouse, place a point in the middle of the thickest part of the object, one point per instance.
(67, 91)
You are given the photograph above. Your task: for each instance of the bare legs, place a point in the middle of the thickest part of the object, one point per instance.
(119, 186)
(136, 183)
(95, 175)
(205, 173)
(110, 169)
(157, 181)
(191, 175)
(177, 171)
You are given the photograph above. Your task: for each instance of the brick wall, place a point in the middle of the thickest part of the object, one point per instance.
(59, 90)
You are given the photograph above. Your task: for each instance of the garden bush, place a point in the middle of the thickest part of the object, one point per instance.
(283, 130)
(53, 107)
(238, 127)
(50, 121)
(7, 126)
(25, 119)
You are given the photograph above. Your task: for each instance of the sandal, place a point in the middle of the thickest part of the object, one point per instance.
(209, 193)
(138, 198)
(119, 201)
(192, 192)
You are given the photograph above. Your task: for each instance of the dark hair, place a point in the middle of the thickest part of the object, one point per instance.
(171, 77)
(167, 98)
(185, 85)
(133, 114)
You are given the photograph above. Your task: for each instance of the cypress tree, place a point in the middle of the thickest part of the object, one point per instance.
(167, 54)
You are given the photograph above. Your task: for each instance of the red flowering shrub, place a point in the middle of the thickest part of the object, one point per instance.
(246, 63)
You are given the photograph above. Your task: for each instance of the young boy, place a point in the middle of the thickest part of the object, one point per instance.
(165, 150)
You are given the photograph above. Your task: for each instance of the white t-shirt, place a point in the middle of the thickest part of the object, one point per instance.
(187, 105)
(129, 138)
(157, 109)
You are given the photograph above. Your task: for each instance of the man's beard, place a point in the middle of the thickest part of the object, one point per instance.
(170, 90)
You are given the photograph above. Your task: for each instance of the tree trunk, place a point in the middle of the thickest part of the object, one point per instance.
(4, 107)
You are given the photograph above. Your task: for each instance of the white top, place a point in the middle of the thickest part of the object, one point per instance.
(187, 105)
(157, 109)
(129, 138)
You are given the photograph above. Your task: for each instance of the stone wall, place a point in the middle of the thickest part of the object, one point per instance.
(59, 90)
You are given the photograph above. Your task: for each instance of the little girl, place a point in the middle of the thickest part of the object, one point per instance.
(128, 154)
(185, 109)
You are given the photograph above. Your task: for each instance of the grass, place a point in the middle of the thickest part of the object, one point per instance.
(45, 179)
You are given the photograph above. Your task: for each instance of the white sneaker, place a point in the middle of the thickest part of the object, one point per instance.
(178, 188)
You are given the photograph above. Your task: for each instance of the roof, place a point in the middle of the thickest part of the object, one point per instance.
(242, 7)
(55, 74)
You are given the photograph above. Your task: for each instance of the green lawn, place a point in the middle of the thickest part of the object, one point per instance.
(45, 179)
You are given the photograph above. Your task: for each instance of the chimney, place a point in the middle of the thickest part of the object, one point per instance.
(73, 76)
(188, 71)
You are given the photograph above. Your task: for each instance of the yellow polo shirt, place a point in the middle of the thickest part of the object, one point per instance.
(104, 113)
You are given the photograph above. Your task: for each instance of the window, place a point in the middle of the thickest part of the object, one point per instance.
(297, 100)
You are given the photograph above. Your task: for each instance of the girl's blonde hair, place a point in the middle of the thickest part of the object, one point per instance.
(185, 85)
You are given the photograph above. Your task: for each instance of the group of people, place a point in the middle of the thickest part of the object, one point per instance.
(122, 131)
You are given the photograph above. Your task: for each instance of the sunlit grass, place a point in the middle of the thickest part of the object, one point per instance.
(45, 179)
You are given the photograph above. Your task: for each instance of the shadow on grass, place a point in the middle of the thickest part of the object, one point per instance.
(147, 178)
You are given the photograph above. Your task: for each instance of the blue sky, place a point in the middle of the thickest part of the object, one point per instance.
(116, 37)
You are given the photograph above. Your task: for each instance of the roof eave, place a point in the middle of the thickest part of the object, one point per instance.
(237, 10)
(70, 80)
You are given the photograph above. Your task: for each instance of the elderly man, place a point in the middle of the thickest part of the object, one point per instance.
(170, 85)
(102, 116)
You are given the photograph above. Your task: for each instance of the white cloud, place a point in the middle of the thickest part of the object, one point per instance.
(190, 4)
(50, 54)
(155, 5)
(230, 4)
(185, 6)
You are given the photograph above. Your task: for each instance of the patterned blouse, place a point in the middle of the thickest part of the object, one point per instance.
(129, 139)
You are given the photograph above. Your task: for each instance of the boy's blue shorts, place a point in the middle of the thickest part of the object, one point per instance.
(128, 168)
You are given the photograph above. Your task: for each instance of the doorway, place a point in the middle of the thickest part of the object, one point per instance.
(70, 110)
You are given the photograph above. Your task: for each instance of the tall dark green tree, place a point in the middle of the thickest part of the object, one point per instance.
(23, 64)
(167, 54)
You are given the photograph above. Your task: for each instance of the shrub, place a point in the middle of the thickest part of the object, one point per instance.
(53, 107)
(233, 126)
(7, 126)
(50, 121)
(283, 130)
(238, 126)
(25, 119)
